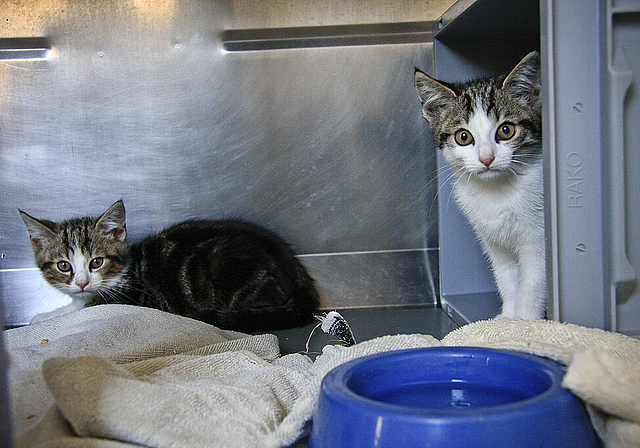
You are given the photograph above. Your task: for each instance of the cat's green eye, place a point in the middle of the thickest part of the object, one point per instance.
(463, 137)
(506, 131)
(63, 266)
(96, 263)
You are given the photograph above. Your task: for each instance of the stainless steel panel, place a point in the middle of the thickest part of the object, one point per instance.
(27, 48)
(287, 13)
(375, 279)
(326, 36)
(6, 436)
(140, 100)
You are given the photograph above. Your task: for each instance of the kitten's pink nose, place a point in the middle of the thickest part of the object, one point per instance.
(82, 284)
(486, 161)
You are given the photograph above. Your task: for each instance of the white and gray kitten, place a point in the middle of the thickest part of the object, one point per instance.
(490, 133)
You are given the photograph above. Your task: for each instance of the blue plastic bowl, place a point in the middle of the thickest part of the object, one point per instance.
(449, 397)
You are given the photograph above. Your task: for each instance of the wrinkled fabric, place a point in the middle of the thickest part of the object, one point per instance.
(117, 375)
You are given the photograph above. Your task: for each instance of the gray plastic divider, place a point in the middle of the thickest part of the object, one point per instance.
(591, 80)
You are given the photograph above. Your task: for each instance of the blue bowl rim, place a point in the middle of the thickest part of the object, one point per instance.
(338, 377)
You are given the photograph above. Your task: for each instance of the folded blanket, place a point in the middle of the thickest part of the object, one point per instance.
(116, 376)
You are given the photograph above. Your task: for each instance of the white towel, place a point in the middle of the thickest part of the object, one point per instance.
(122, 376)
(547, 338)
(119, 333)
(610, 386)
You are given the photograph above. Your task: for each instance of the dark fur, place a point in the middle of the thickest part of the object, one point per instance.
(230, 273)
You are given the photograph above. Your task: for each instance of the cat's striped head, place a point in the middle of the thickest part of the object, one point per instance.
(82, 256)
(486, 127)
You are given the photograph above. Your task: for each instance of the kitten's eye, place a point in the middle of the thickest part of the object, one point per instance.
(463, 137)
(506, 131)
(96, 263)
(63, 266)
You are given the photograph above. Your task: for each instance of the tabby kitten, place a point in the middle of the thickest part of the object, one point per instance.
(230, 273)
(490, 133)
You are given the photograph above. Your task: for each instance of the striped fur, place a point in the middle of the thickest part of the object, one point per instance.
(230, 273)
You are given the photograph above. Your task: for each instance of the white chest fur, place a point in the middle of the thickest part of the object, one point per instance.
(508, 217)
(506, 212)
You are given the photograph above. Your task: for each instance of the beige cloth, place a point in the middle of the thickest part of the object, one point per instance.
(116, 376)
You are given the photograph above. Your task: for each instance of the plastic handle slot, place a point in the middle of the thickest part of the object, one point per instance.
(327, 36)
(623, 279)
(24, 48)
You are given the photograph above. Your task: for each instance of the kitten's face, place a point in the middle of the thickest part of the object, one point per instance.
(81, 257)
(489, 127)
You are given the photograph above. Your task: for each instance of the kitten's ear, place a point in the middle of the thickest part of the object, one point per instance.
(40, 231)
(112, 222)
(524, 80)
(434, 96)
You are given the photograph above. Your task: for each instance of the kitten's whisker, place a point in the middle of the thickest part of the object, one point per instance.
(111, 296)
(49, 295)
(518, 163)
(446, 182)
(139, 290)
(118, 292)
(457, 172)
(435, 177)
(437, 173)
(445, 170)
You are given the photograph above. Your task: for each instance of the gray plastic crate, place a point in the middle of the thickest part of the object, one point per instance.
(591, 80)
(592, 60)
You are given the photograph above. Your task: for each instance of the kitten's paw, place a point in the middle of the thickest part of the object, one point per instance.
(503, 316)
(531, 316)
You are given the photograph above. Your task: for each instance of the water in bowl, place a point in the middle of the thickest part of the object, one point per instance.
(449, 394)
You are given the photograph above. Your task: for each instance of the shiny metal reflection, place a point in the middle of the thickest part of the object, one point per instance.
(324, 145)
